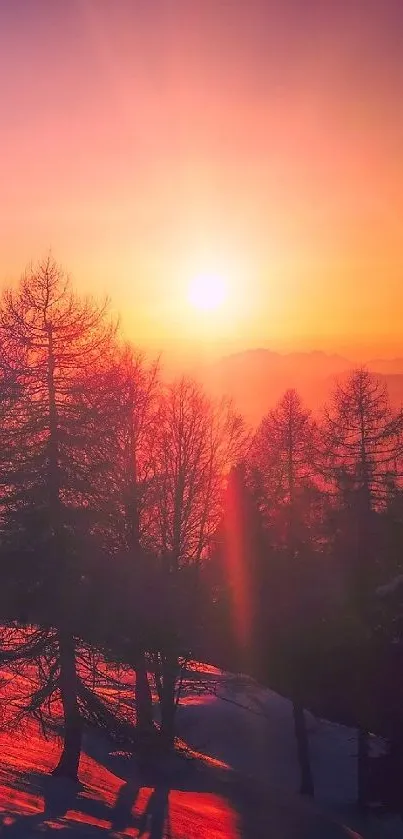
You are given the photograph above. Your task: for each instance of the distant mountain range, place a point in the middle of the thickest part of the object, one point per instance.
(256, 379)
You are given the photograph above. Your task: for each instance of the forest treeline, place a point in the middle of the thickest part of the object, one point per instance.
(144, 525)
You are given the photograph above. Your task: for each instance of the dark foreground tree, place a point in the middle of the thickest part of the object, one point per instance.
(362, 447)
(52, 339)
(281, 460)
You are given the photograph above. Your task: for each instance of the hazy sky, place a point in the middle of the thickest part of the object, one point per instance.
(144, 140)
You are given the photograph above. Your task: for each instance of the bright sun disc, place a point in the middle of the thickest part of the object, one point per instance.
(207, 292)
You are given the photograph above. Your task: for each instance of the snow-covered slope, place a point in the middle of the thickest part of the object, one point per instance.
(189, 800)
(250, 728)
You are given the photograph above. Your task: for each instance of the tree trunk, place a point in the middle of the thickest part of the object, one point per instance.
(362, 767)
(143, 697)
(301, 736)
(157, 677)
(392, 777)
(70, 757)
(168, 704)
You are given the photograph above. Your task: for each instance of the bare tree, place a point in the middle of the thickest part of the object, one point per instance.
(133, 394)
(133, 391)
(197, 441)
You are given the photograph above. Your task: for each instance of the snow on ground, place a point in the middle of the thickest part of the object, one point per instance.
(111, 800)
(187, 801)
(260, 743)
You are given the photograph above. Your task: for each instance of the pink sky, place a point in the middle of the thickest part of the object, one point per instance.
(139, 138)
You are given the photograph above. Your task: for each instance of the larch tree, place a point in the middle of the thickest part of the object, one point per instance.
(362, 442)
(362, 445)
(281, 463)
(51, 338)
(282, 467)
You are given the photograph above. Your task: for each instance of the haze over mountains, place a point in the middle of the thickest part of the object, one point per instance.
(257, 378)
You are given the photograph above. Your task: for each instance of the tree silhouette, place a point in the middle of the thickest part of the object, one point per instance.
(51, 338)
(141, 525)
(362, 446)
(282, 456)
(133, 390)
(195, 444)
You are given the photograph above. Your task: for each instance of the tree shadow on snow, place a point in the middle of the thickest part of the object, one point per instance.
(61, 797)
(258, 812)
(151, 822)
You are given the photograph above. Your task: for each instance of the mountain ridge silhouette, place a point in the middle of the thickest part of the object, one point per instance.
(256, 378)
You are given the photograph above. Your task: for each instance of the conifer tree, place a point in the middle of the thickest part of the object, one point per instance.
(51, 340)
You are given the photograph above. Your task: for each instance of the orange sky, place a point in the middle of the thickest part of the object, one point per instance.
(144, 139)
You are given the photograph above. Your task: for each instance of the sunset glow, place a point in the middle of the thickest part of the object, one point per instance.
(264, 129)
(207, 292)
(201, 390)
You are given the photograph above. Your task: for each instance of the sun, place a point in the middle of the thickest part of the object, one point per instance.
(207, 292)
